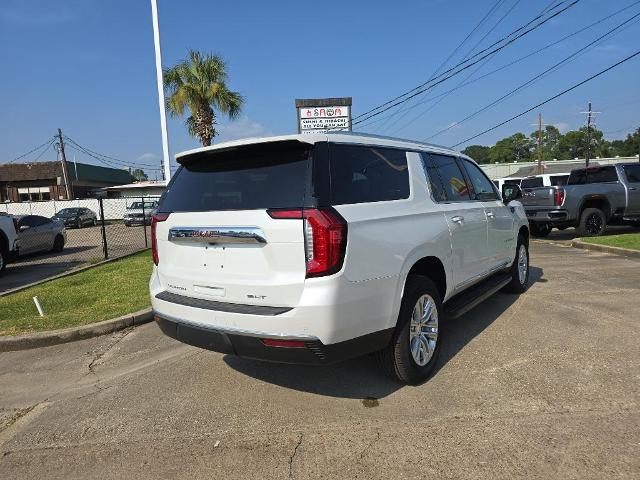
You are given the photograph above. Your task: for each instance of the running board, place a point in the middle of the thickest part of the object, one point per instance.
(465, 301)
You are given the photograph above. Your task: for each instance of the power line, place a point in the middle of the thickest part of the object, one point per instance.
(442, 97)
(507, 65)
(496, 5)
(45, 150)
(48, 142)
(535, 78)
(106, 159)
(423, 87)
(579, 84)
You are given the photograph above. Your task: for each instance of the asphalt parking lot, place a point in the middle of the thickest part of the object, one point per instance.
(545, 385)
(83, 246)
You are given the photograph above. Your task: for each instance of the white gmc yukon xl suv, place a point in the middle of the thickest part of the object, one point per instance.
(316, 248)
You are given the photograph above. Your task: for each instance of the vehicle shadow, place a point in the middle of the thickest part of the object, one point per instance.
(361, 378)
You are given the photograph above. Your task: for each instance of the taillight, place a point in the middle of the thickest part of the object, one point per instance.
(325, 238)
(558, 196)
(158, 217)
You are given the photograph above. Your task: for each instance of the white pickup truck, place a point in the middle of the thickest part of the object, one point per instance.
(8, 240)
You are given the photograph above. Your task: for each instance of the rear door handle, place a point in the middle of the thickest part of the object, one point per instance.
(632, 188)
(457, 219)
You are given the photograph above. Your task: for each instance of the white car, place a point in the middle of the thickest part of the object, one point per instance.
(316, 248)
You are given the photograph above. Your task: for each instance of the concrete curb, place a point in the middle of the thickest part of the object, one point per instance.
(68, 273)
(606, 249)
(56, 337)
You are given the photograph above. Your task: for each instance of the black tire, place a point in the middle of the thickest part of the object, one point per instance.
(519, 284)
(58, 244)
(396, 359)
(593, 222)
(540, 230)
(3, 260)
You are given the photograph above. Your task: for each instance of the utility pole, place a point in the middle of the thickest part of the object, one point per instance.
(540, 172)
(588, 153)
(63, 161)
(166, 170)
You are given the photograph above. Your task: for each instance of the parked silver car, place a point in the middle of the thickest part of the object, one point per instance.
(40, 234)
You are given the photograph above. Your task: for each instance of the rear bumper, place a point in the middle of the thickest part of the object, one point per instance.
(547, 216)
(250, 344)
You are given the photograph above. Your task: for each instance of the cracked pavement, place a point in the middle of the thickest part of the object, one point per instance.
(541, 386)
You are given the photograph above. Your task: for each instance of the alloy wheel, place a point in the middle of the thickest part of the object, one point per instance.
(593, 225)
(523, 264)
(423, 331)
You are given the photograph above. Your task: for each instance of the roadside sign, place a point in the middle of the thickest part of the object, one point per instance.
(322, 114)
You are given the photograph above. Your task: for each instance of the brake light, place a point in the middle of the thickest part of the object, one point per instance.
(325, 238)
(558, 196)
(158, 217)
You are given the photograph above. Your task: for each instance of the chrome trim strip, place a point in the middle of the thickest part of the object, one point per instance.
(239, 331)
(218, 235)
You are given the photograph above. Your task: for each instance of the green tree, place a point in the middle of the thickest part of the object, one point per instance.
(550, 142)
(479, 153)
(574, 144)
(199, 84)
(629, 147)
(139, 175)
(517, 147)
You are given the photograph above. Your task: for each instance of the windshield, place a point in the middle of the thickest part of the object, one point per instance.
(68, 211)
(138, 205)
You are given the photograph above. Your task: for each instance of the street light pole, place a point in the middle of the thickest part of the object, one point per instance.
(166, 169)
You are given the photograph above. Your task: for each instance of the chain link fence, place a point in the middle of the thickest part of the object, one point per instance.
(95, 230)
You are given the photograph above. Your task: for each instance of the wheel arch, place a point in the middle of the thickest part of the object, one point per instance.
(600, 202)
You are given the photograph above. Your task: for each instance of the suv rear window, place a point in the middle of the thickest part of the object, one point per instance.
(593, 175)
(532, 182)
(257, 176)
(361, 174)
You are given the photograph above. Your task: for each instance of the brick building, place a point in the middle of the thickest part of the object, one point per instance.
(41, 181)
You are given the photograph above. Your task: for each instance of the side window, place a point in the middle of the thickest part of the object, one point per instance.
(603, 175)
(361, 174)
(28, 221)
(558, 180)
(447, 181)
(38, 220)
(633, 173)
(482, 186)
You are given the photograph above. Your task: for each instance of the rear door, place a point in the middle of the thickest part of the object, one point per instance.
(219, 242)
(466, 219)
(632, 178)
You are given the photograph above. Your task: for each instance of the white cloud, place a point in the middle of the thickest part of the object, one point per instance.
(562, 126)
(244, 127)
(148, 157)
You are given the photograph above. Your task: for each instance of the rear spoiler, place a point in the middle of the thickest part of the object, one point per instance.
(228, 152)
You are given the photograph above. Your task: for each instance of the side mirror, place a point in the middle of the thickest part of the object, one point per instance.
(511, 192)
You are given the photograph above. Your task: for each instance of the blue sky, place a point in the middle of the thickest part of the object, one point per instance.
(87, 66)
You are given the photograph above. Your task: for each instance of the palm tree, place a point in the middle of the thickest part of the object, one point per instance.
(199, 84)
